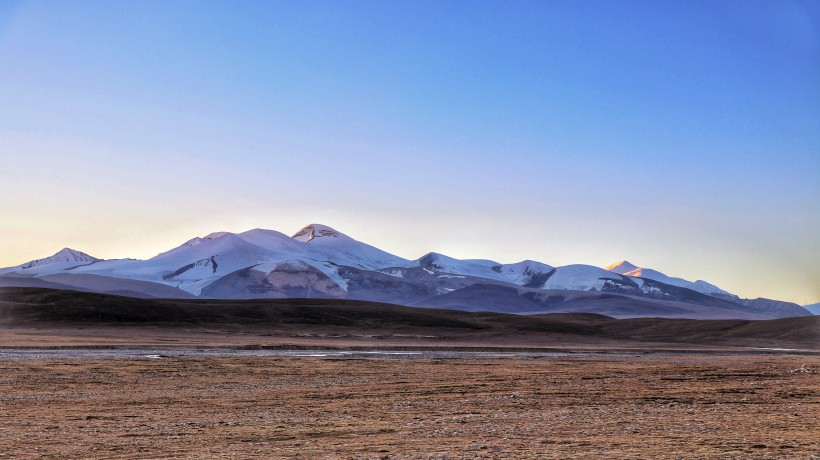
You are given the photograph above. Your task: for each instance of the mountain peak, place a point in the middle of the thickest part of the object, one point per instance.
(312, 231)
(214, 235)
(210, 236)
(72, 255)
(62, 256)
(621, 267)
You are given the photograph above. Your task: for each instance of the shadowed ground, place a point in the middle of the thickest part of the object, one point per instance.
(45, 317)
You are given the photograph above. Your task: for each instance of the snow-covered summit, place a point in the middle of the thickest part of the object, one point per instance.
(527, 273)
(341, 249)
(314, 231)
(627, 269)
(224, 244)
(434, 261)
(623, 267)
(579, 277)
(199, 240)
(65, 255)
(63, 259)
(273, 241)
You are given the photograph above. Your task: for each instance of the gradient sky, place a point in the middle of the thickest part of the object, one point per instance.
(681, 136)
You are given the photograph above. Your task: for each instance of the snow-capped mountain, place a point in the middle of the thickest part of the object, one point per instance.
(527, 273)
(344, 250)
(319, 261)
(65, 258)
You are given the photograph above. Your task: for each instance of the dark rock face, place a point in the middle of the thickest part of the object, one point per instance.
(537, 279)
(382, 287)
(429, 262)
(286, 280)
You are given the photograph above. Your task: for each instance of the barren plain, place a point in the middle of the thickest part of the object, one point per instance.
(617, 406)
(90, 376)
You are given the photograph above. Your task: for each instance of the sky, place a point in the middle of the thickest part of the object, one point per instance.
(679, 135)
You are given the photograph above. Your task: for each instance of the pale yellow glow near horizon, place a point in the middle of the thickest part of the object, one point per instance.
(743, 276)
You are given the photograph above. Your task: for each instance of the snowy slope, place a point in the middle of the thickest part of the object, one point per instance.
(579, 277)
(191, 266)
(275, 243)
(62, 260)
(336, 247)
(194, 241)
(202, 260)
(627, 269)
(439, 263)
(622, 268)
(526, 273)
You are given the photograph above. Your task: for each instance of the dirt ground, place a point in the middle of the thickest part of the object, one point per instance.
(621, 406)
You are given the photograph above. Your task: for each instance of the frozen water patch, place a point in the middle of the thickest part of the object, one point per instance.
(392, 353)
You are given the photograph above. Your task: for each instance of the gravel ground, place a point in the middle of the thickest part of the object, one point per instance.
(380, 405)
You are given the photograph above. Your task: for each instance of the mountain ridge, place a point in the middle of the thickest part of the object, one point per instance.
(320, 261)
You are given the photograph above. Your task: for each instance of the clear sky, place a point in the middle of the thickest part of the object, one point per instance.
(679, 135)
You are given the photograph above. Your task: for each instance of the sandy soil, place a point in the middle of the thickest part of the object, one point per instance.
(650, 406)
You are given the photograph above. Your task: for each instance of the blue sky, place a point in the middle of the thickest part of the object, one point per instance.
(682, 136)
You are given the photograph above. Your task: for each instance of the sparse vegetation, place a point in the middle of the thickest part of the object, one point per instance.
(650, 406)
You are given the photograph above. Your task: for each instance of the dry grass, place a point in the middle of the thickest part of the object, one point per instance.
(616, 407)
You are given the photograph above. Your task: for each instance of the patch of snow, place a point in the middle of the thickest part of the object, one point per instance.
(395, 272)
(579, 277)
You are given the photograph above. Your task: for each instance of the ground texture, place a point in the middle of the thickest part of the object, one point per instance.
(621, 406)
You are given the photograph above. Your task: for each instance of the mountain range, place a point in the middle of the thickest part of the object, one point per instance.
(320, 262)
